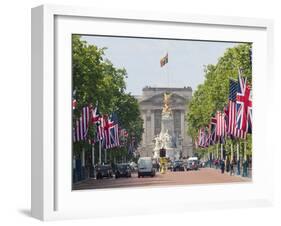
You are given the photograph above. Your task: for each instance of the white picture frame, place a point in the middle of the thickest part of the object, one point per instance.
(52, 27)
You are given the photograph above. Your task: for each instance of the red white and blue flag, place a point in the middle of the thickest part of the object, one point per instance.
(111, 131)
(203, 138)
(221, 126)
(232, 128)
(80, 129)
(212, 131)
(243, 105)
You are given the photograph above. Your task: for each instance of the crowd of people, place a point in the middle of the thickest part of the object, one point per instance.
(233, 167)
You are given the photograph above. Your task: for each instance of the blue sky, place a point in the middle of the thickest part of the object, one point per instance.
(141, 59)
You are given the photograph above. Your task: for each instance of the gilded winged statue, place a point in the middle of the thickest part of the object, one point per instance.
(166, 102)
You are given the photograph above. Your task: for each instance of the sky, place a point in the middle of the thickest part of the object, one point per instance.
(141, 59)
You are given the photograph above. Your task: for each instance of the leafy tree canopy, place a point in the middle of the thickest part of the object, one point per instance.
(212, 95)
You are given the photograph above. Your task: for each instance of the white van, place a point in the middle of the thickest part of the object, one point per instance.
(145, 167)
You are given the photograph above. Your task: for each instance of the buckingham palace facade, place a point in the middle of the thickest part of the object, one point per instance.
(151, 105)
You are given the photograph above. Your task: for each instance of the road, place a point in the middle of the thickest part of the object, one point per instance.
(202, 176)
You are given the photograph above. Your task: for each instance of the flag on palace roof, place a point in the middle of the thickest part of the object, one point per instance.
(164, 60)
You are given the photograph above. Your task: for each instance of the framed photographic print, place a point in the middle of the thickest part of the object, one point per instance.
(137, 108)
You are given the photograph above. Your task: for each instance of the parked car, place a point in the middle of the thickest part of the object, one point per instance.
(104, 171)
(145, 167)
(177, 165)
(123, 170)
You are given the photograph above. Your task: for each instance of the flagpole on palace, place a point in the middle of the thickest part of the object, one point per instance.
(168, 71)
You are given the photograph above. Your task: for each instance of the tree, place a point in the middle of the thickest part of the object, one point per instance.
(212, 95)
(95, 78)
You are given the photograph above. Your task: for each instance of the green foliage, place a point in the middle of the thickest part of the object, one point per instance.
(96, 79)
(212, 95)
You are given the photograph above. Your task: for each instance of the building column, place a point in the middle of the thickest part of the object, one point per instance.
(182, 125)
(144, 129)
(152, 124)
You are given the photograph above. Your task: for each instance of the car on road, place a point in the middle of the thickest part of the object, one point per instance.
(177, 165)
(104, 171)
(123, 170)
(192, 164)
(145, 167)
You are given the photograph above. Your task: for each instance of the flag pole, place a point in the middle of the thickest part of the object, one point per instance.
(221, 151)
(93, 158)
(217, 151)
(99, 151)
(245, 148)
(231, 146)
(238, 157)
(237, 152)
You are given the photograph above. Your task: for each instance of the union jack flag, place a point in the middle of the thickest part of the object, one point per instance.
(243, 105)
(111, 132)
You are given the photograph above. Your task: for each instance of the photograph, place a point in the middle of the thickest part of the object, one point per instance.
(158, 112)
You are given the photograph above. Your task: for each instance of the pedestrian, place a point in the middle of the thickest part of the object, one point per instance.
(222, 166)
(227, 165)
(232, 168)
(245, 168)
(217, 163)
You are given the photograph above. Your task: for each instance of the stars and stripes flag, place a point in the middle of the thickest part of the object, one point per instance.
(221, 125)
(164, 60)
(212, 131)
(81, 125)
(232, 128)
(243, 105)
(203, 138)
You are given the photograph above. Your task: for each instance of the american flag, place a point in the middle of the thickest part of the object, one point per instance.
(203, 138)
(232, 130)
(212, 131)
(81, 126)
(243, 105)
(221, 125)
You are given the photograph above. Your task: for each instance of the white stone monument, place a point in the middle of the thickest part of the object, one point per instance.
(166, 139)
